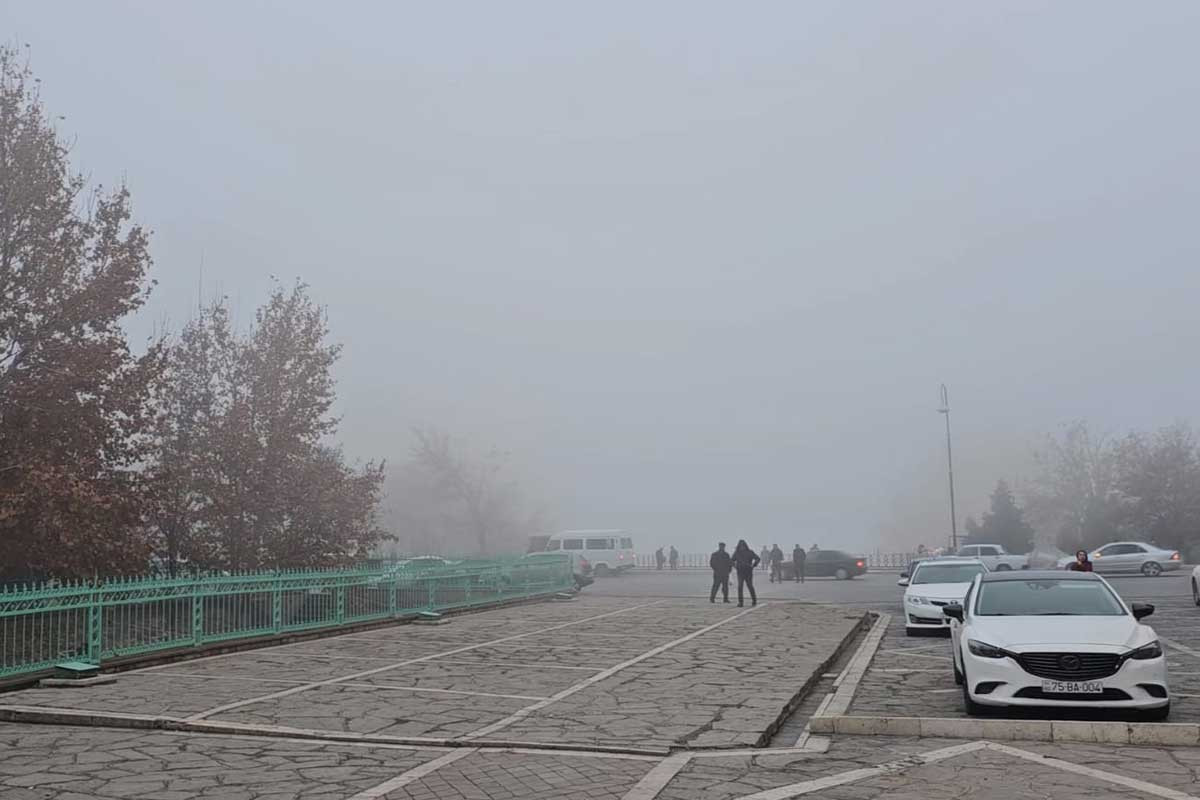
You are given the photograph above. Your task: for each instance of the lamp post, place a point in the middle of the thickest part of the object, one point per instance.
(945, 409)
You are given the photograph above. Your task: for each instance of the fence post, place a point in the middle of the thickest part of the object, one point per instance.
(95, 625)
(197, 613)
(392, 601)
(429, 586)
(340, 593)
(277, 603)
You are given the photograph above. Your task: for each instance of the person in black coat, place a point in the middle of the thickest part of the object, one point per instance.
(721, 565)
(744, 561)
(799, 557)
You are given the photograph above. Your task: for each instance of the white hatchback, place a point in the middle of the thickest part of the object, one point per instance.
(1047, 638)
(933, 585)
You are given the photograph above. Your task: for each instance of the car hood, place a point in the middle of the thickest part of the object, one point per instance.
(1094, 634)
(939, 591)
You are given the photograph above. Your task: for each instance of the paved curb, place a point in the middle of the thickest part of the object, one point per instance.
(37, 715)
(1169, 734)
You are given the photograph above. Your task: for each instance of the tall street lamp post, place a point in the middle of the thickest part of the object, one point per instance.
(945, 409)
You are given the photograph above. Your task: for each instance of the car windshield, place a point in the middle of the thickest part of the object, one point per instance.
(947, 573)
(1047, 597)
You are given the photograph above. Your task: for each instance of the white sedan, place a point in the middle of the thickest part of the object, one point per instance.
(1142, 557)
(933, 585)
(1046, 638)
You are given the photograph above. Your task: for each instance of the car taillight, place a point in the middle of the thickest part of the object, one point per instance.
(858, 563)
(1174, 556)
(620, 556)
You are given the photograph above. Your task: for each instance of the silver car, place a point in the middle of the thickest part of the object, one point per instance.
(1132, 557)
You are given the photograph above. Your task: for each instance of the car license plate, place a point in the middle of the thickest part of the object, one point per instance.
(1072, 687)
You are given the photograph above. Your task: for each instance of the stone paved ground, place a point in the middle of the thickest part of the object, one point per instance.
(498, 670)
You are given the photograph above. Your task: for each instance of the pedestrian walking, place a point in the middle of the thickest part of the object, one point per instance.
(744, 561)
(1081, 563)
(674, 558)
(659, 558)
(776, 565)
(764, 557)
(799, 557)
(722, 565)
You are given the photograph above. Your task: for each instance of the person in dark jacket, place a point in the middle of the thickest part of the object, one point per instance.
(776, 565)
(674, 558)
(659, 558)
(744, 561)
(799, 557)
(721, 565)
(764, 557)
(1081, 563)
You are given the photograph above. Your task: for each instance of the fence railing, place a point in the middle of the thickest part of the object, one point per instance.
(876, 560)
(96, 622)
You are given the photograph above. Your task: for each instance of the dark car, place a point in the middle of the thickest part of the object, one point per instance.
(828, 564)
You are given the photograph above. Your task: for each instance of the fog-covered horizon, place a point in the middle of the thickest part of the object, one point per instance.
(700, 268)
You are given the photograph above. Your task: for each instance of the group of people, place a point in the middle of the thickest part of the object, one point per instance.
(660, 558)
(743, 561)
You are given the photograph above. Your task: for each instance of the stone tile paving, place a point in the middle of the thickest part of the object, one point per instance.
(725, 688)
(148, 693)
(60, 763)
(496, 775)
(359, 709)
(982, 774)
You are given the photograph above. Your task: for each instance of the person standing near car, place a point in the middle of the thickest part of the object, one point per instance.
(799, 557)
(674, 558)
(1081, 563)
(776, 565)
(721, 565)
(744, 561)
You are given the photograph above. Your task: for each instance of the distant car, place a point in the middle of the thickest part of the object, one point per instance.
(995, 557)
(935, 584)
(581, 568)
(1131, 557)
(1060, 639)
(827, 564)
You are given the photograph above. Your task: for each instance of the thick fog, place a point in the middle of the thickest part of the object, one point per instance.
(701, 268)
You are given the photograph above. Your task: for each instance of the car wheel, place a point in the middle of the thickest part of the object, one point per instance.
(1003, 568)
(972, 708)
(601, 570)
(1195, 593)
(1157, 714)
(842, 574)
(1151, 569)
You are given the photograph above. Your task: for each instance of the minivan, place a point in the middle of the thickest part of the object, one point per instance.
(609, 551)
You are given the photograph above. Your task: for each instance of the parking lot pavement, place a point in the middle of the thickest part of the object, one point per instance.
(40, 762)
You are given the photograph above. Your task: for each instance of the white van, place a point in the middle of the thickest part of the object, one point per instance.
(608, 551)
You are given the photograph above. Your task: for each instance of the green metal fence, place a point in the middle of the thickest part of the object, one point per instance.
(96, 622)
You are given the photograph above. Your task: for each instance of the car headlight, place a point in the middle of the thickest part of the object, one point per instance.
(1152, 650)
(917, 600)
(984, 650)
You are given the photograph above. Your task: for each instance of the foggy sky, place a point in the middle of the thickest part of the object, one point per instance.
(700, 266)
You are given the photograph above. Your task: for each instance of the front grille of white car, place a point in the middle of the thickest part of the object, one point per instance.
(1070, 666)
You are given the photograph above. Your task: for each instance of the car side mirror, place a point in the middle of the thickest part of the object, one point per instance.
(905, 575)
(902, 582)
(954, 611)
(1141, 610)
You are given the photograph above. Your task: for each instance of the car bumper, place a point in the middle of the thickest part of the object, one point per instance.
(925, 617)
(1127, 688)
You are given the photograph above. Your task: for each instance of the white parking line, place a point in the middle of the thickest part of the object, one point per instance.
(657, 778)
(346, 678)
(913, 762)
(414, 774)
(1177, 646)
(916, 655)
(603, 674)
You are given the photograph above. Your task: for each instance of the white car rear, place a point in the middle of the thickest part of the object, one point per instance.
(1059, 639)
(933, 585)
(1131, 557)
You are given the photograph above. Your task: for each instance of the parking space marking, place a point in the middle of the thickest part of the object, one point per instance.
(1177, 646)
(654, 781)
(933, 756)
(603, 674)
(915, 655)
(414, 774)
(841, 779)
(365, 673)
